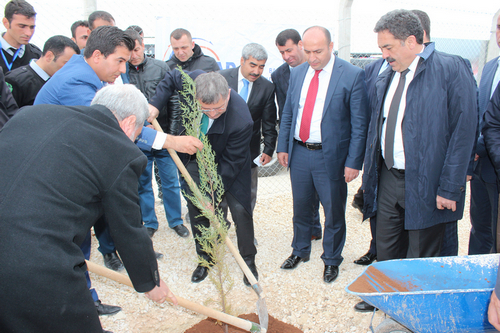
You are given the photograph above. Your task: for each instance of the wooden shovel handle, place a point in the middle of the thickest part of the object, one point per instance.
(209, 312)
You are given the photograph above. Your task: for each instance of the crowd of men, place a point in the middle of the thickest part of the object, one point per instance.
(410, 120)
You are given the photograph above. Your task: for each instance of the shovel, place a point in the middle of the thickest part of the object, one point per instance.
(261, 302)
(224, 317)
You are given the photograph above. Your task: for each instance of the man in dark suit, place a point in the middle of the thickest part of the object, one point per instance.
(483, 186)
(322, 138)
(289, 43)
(26, 81)
(76, 164)
(258, 92)
(229, 130)
(16, 50)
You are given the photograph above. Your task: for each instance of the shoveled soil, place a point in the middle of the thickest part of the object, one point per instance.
(211, 326)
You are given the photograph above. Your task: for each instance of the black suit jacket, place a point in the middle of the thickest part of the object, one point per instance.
(281, 80)
(263, 110)
(229, 136)
(75, 165)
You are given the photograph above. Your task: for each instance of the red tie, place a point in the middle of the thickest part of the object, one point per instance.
(305, 125)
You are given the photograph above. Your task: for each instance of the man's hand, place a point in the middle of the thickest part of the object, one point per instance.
(283, 159)
(183, 144)
(264, 159)
(476, 157)
(443, 203)
(494, 311)
(469, 178)
(350, 174)
(153, 113)
(160, 294)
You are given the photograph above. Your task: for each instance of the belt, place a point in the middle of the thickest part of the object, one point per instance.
(310, 146)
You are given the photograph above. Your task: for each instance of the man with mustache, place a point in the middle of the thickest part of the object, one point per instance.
(258, 92)
(19, 21)
(421, 136)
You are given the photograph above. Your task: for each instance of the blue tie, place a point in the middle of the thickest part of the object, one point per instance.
(244, 91)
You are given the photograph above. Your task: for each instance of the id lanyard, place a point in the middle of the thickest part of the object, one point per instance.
(9, 66)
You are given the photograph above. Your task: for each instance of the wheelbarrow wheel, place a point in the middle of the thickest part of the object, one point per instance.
(389, 325)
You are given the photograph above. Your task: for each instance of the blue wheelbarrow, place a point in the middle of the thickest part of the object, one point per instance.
(430, 295)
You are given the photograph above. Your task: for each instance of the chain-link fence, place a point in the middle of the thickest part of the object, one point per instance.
(458, 27)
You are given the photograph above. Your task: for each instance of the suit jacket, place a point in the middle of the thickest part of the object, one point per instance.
(487, 170)
(439, 131)
(229, 136)
(263, 110)
(26, 83)
(345, 117)
(281, 79)
(75, 165)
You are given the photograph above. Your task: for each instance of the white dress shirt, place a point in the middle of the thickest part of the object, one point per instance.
(319, 105)
(399, 151)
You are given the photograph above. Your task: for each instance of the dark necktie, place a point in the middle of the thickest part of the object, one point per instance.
(392, 118)
(305, 124)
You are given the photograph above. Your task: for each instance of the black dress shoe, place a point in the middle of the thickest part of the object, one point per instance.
(104, 331)
(103, 309)
(253, 269)
(181, 230)
(331, 273)
(112, 261)
(367, 259)
(292, 261)
(199, 274)
(314, 237)
(364, 307)
(158, 255)
(151, 232)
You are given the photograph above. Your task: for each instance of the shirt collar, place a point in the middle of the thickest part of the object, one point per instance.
(241, 77)
(7, 47)
(39, 70)
(329, 66)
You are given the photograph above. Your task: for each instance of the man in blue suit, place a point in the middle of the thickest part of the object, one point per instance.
(322, 139)
(289, 43)
(483, 186)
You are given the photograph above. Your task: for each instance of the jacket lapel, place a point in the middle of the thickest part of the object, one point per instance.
(337, 71)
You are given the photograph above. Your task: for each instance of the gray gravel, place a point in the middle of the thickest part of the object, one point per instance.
(298, 297)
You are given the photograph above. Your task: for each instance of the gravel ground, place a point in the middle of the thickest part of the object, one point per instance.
(298, 297)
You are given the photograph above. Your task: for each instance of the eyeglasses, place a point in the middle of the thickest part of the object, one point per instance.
(219, 109)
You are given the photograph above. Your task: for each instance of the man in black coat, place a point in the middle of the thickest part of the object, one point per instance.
(258, 92)
(76, 164)
(188, 54)
(26, 81)
(229, 131)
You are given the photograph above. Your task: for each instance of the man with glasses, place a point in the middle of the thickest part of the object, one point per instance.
(228, 125)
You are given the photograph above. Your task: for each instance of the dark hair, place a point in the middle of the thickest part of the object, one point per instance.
(106, 39)
(178, 33)
(324, 30)
(77, 24)
(19, 7)
(134, 35)
(136, 28)
(57, 45)
(287, 34)
(402, 24)
(99, 14)
(424, 20)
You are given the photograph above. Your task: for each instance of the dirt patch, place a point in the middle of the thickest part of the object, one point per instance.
(209, 325)
(374, 281)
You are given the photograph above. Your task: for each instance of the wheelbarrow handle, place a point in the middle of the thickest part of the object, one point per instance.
(209, 312)
(234, 251)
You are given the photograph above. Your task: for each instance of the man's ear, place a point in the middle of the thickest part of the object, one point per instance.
(49, 56)
(128, 125)
(411, 41)
(300, 44)
(6, 23)
(96, 56)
